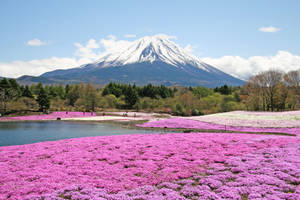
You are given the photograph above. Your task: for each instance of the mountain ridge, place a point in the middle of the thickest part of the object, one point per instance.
(151, 59)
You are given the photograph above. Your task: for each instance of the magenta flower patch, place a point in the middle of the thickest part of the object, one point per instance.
(52, 116)
(266, 169)
(116, 164)
(193, 124)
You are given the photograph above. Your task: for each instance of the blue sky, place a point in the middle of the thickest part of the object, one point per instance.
(213, 28)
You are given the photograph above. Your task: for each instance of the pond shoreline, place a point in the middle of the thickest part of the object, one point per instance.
(135, 120)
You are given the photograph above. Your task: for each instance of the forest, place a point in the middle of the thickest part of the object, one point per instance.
(270, 90)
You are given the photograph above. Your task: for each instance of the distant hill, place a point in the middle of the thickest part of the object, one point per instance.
(28, 80)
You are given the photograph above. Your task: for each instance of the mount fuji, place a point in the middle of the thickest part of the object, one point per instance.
(151, 59)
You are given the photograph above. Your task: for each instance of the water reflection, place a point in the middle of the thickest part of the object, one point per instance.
(17, 133)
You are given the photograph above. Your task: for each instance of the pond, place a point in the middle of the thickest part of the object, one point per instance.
(18, 133)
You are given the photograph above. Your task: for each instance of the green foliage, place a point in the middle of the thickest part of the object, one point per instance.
(4, 83)
(225, 90)
(196, 112)
(201, 91)
(73, 94)
(237, 97)
(9, 91)
(113, 88)
(26, 92)
(145, 103)
(43, 100)
(137, 106)
(111, 101)
(145, 91)
(30, 103)
(178, 110)
(181, 101)
(131, 96)
(90, 97)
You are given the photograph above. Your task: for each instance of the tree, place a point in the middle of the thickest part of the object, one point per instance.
(256, 89)
(15, 86)
(26, 92)
(109, 101)
(67, 89)
(292, 81)
(292, 78)
(131, 97)
(272, 78)
(227, 104)
(263, 88)
(90, 97)
(52, 92)
(112, 88)
(224, 90)
(201, 92)
(9, 91)
(280, 96)
(178, 110)
(61, 92)
(237, 97)
(73, 95)
(38, 88)
(43, 100)
(30, 103)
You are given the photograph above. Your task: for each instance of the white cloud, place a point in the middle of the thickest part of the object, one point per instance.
(130, 35)
(86, 52)
(92, 50)
(113, 45)
(245, 67)
(35, 67)
(92, 44)
(269, 29)
(36, 42)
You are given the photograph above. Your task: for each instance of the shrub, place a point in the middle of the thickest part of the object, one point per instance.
(196, 112)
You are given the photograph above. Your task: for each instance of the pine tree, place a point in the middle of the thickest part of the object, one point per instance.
(26, 92)
(73, 94)
(43, 100)
(131, 97)
(9, 90)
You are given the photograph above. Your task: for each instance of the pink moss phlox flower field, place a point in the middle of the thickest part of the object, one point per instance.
(253, 119)
(271, 173)
(193, 124)
(51, 116)
(128, 162)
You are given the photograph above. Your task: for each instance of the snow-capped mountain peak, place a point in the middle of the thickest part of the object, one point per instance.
(149, 49)
(151, 59)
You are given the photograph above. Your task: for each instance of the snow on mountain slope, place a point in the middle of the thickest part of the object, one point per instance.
(151, 59)
(150, 49)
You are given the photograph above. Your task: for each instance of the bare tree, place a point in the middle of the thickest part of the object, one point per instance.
(292, 81)
(292, 78)
(255, 89)
(272, 78)
(263, 88)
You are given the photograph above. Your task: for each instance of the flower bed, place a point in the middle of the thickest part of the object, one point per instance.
(271, 173)
(124, 163)
(194, 124)
(253, 119)
(51, 116)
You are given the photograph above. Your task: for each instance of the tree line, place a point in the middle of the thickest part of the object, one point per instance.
(271, 90)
